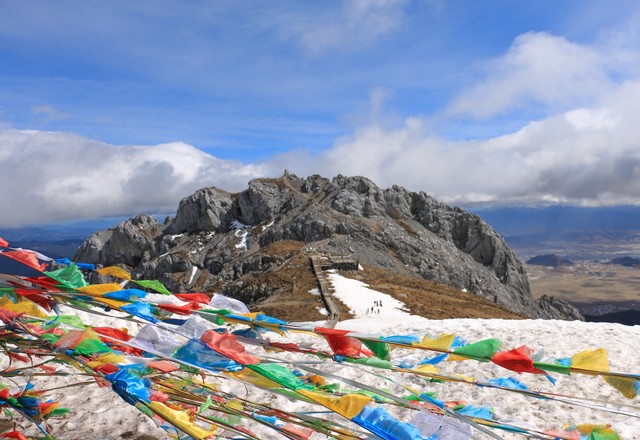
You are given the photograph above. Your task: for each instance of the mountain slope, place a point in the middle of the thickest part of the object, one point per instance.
(233, 242)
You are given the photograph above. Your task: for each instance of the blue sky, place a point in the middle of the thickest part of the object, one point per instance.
(107, 108)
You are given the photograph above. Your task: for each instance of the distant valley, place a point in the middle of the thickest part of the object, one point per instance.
(591, 239)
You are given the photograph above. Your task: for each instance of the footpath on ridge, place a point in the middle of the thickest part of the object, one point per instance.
(320, 262)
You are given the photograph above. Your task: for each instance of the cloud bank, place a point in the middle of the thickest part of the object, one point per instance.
(585, 151)
(48, 177)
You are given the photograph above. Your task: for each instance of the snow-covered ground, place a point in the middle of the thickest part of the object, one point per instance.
(99, 413)
(364, 302)
(552, 339)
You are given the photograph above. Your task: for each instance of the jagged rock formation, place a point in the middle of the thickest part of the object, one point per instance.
(217, 238)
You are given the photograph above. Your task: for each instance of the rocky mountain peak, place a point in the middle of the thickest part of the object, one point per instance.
(221, 240)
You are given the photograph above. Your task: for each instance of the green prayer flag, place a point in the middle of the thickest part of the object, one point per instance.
(69, 276)
(49, 337)
(372, 362)
(481, 351)
(90, 347)
(70, 320)
(556, 368)
(205, 406)
(380, 349)
(57, 412)
(154, 285)
(144, 409)
(596, 434)
(278, 374)
(233, 419)
(414, 398)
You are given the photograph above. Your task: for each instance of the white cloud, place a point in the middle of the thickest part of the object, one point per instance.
(586, 151)
(539, 69)
(51, 176)
(356, 24)
(588, 156)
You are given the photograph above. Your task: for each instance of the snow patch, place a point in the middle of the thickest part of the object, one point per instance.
(194, 270)
(243, 239)
(365, 302)
(242, 232)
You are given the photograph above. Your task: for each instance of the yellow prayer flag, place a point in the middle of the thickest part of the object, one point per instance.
(428, 368)
(626, 386)
(23, 305)
(455, 358)
(106, 358)
(115, 271)
(591, 360)
(181, 420)
(248, 375)
(441, 343)
(348, 406)
(100, 289)
(235, 404)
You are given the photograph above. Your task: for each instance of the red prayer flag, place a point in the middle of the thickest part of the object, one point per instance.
(7, 315)
(201, 298)
(517, 360)
(14, 434)
(37, 296)
(300, 431)
(106, 369)
(47, 368)
(45, 282)
(164, 366)
(343, 345)
(115, 333)
(228, 345)
(180, 310)
(27, 258)
(70, 339)
(19, 357)
(158, 396)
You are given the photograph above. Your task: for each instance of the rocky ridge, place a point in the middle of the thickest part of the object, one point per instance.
(218, 240)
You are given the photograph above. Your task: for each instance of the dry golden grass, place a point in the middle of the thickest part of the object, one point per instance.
(429, 299)
(422, 297)
(282, 248)
(585, 283)
(295, 280)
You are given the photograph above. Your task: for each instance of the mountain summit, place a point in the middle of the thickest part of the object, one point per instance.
(242, 244)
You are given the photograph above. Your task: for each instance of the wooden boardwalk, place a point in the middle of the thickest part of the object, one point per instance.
(320, 263)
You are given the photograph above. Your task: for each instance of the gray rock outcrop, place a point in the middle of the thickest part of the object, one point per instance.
(216, 238)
